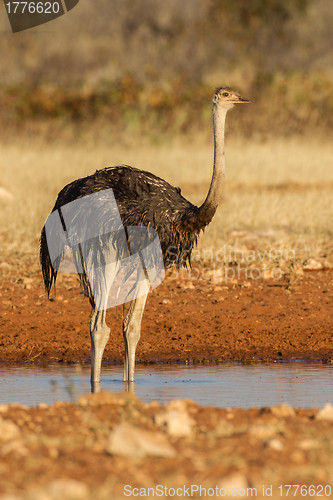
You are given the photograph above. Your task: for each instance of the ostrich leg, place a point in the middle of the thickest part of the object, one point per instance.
(131, 332)
(99, 333)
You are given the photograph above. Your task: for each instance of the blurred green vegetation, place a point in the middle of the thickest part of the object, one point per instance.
(150, 67)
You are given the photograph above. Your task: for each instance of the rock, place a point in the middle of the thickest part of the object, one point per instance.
(308, 444)
(4, 408)
(83, 401)
(313, 265)
(236, 482)
(60, 404)
(283, 410)
(325, 413)
(15, 446)
(180, 404)
(275, 444)
(264, 431)
(129, 441)
(66, 489)
(42, 406)
(177, 423)
(153, 404)
(230, 415)
(18, 406)
(8, 430)
(27, 281)
(223, 429)
(188, 285)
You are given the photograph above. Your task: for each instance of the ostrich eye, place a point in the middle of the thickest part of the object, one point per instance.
(226, 94)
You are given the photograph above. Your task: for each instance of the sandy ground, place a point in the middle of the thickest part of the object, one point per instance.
(97, 446)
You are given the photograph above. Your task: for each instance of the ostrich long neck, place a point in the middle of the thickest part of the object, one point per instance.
(214, 196)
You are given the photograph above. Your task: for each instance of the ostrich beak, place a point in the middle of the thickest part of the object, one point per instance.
(243, 100)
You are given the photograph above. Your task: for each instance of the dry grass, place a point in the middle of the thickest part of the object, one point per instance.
(278, 194)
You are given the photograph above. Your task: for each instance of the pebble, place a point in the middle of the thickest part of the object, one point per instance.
(8, 430)
(176, 423)
(59, 404)
(153, 404)
(15, 446)
(275, 444)
(313, 265)
(234, 482)
(180, 404)
(283, 410)
(27, 281)
(223, 429)
(66, 489)
(42, 406)
(188, 286)
(325, 413)
(263, 431)
(308, 444)
(4, 408)
(129, 441)
(18, 406)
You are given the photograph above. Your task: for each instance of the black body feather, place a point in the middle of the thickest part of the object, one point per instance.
(143, 199)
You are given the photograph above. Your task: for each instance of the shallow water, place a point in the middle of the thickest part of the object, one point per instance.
(230, 385)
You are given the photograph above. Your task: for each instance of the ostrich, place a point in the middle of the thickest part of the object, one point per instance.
(144, 199)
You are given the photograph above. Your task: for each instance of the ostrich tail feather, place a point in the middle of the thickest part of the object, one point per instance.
(49, 274)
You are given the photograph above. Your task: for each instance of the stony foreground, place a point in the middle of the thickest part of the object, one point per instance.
(109, 446)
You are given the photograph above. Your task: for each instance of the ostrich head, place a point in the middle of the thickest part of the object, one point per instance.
(227, 97)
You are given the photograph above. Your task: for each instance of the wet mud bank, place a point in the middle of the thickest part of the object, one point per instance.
(185, 322)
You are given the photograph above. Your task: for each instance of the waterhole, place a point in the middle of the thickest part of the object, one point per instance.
(302, 385)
